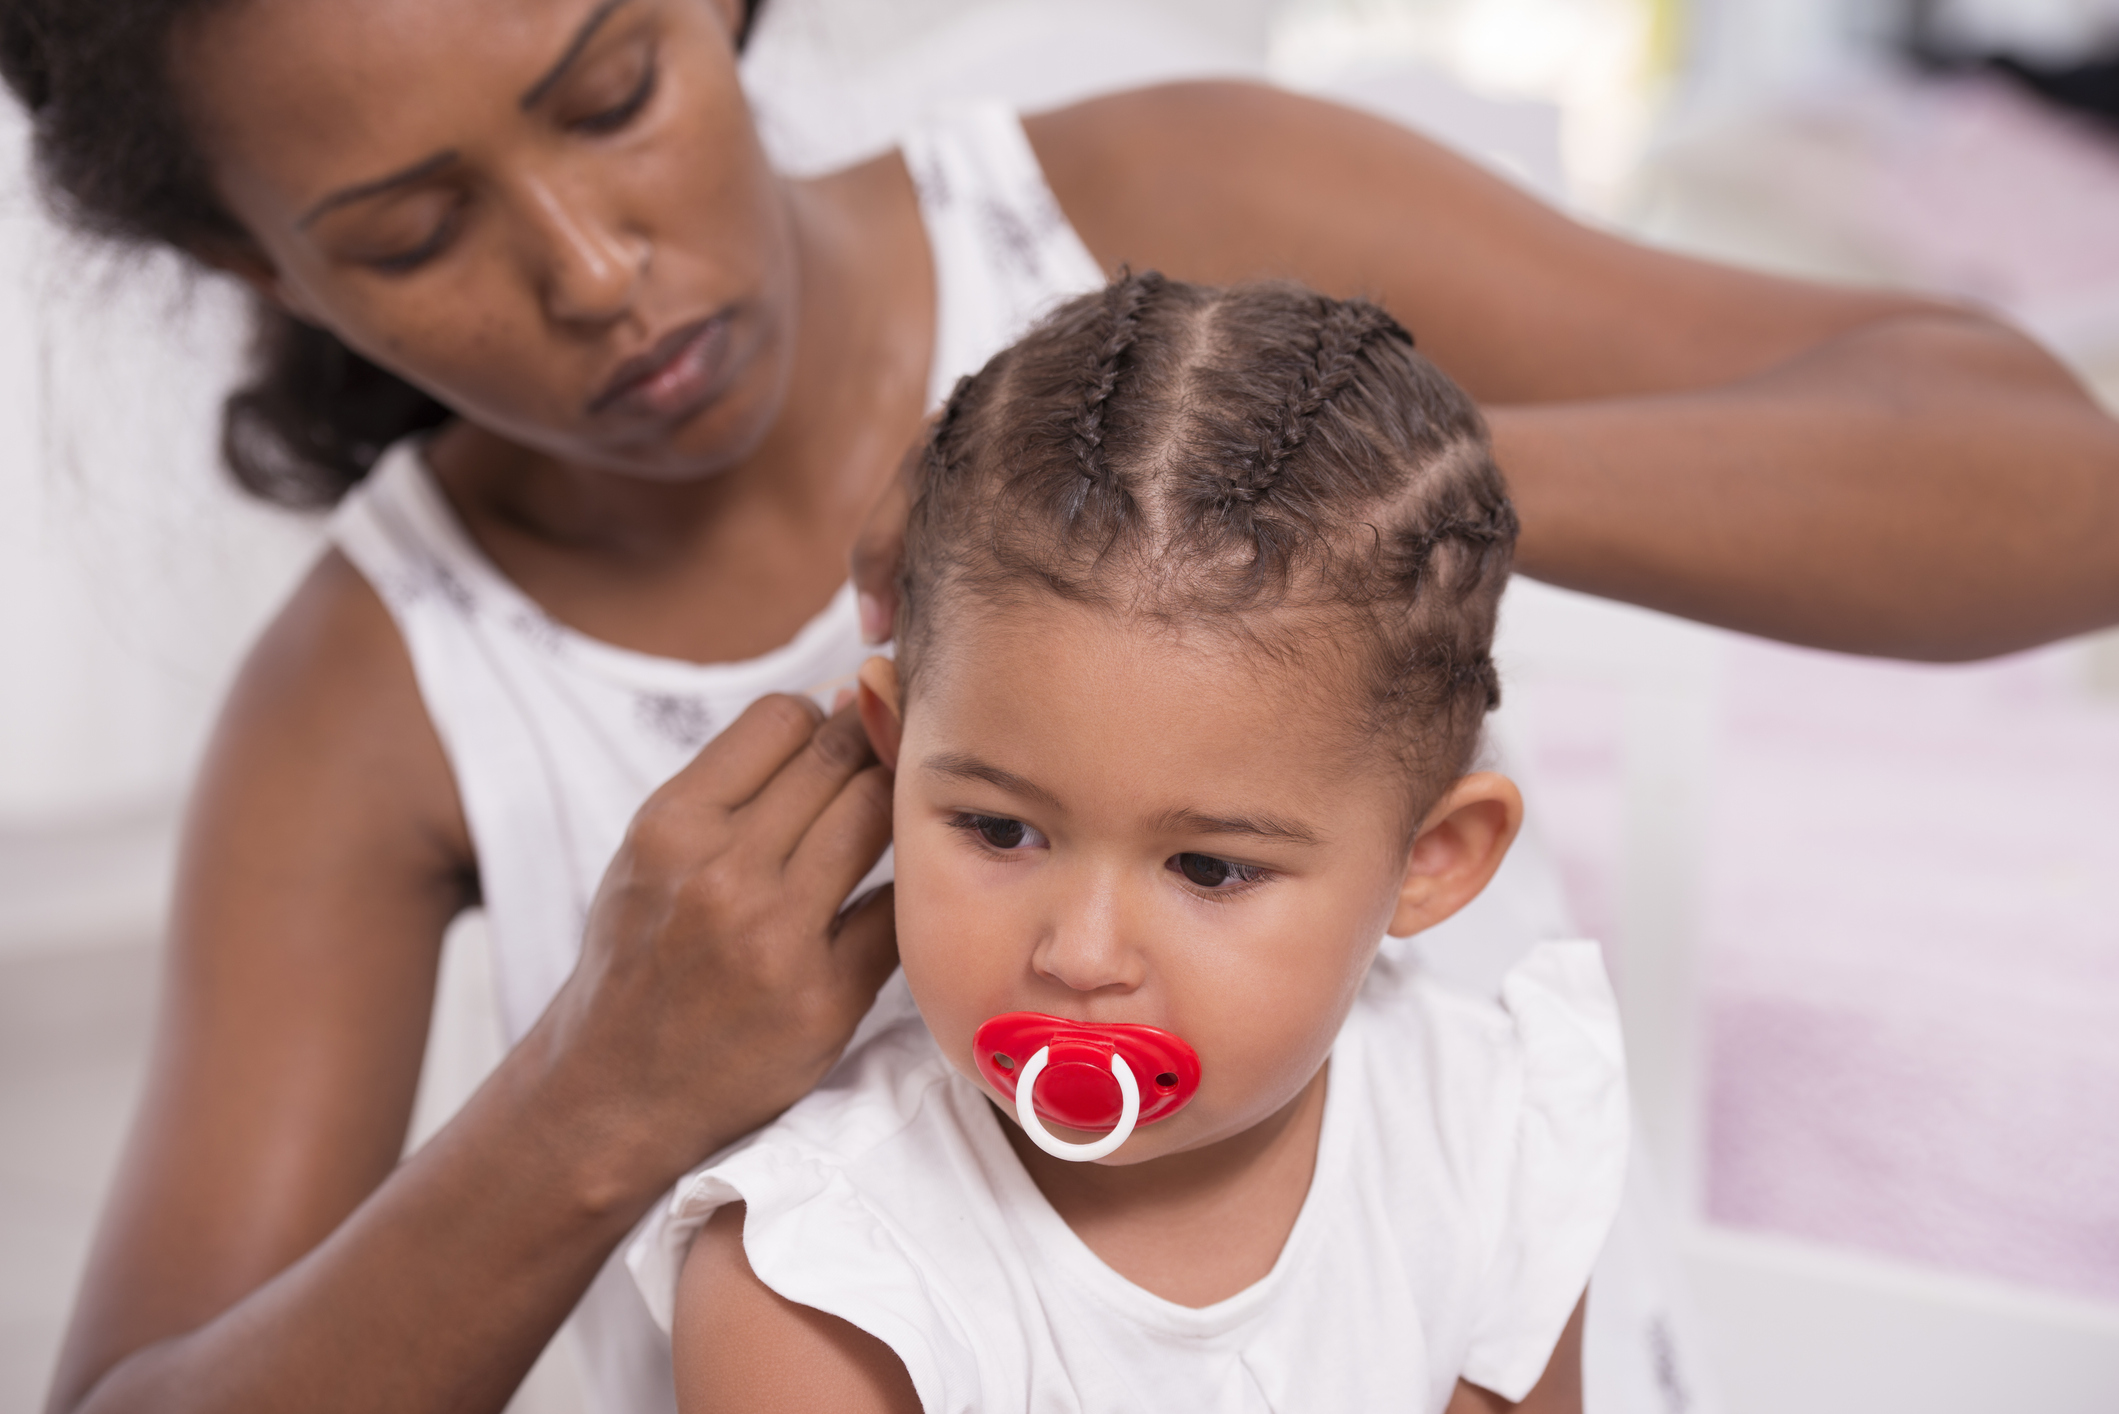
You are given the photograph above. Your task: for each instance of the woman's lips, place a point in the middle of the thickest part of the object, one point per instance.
(682, 369)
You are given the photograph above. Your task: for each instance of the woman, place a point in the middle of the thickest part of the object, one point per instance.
(665, 386)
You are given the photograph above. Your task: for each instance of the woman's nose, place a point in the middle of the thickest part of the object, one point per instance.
(591, 267)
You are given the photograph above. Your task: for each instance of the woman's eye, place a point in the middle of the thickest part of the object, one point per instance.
(999, 832)
(611, 119)
(1210, 873)
(417, 256)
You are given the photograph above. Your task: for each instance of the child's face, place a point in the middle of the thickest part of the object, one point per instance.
(1109, 824)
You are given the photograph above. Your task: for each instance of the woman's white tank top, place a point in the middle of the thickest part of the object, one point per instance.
(556, 738)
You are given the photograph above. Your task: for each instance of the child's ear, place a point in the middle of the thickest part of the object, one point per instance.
(879, 708)
(1460, 845)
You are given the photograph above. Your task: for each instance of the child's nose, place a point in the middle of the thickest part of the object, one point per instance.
(1090, 947)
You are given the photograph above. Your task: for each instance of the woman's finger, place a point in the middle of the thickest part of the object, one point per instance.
(844, 843)
(749, 752)
(865, 952)
(775, 820)
(880, 546)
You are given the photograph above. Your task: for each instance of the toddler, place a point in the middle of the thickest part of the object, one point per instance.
(1192, 665)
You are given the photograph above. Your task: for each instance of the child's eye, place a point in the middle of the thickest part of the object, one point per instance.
(998, 831)
(1211, 873)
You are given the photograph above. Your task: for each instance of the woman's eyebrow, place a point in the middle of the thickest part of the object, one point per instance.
(536, 91)
(1193, 822)
(970, 768)
(426, 167)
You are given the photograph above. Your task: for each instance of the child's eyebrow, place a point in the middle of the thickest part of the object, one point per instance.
(970, 768)
(1193, 822)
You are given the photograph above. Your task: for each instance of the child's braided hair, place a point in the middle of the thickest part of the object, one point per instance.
(1262, 460)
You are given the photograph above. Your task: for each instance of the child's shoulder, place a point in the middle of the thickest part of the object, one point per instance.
(1556, 996)
(872, 1200)
(1466, 1075)
(843, 1165)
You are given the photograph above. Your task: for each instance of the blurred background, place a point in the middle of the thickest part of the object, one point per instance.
(1864, 916)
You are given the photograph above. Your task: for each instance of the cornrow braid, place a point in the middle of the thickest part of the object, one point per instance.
(1486, 679)
(1124, 301)
(1344, 330)
(1365, 530)
(1490, 527)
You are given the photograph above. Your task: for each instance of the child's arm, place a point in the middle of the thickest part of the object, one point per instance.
(1558, 1391)
(743, 1348)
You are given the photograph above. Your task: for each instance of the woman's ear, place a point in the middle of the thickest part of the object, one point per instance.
(879, 708)
(240, 258)
(1460, 845)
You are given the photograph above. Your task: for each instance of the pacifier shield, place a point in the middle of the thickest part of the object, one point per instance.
(1077, 1087)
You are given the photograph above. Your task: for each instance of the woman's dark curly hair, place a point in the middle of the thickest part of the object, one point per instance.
(1261, 461)
(115, 160)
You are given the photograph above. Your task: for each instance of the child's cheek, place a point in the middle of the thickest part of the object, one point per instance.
(949, 965)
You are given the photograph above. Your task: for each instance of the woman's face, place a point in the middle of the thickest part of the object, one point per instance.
(553, 215)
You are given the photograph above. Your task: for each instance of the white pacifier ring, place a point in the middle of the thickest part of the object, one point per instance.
(1026, 1111)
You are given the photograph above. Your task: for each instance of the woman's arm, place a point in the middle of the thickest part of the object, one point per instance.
(742, 1348)
(264, 1248)
(1859, 470)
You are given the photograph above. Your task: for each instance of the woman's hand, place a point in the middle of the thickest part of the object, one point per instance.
(719, 979)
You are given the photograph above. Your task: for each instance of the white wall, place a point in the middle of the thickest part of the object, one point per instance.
(130, 572)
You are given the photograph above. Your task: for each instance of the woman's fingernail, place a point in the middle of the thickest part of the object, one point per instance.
(875, 625)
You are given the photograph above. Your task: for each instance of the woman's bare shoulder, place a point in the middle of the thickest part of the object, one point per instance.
(325, 722)
(1221, 182)
(1167, 116)
(1224, 182)
(1155, 174)
(332, 632)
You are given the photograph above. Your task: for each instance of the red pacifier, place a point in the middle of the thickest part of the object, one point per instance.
(1085, 1076)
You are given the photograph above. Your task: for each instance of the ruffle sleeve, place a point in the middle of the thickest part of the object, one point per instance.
(801, 1183)
(1568, 1167)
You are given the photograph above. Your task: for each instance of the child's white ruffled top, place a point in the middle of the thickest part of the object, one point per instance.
(1469, 1167)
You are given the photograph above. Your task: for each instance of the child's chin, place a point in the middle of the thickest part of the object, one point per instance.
(1141, 1146)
